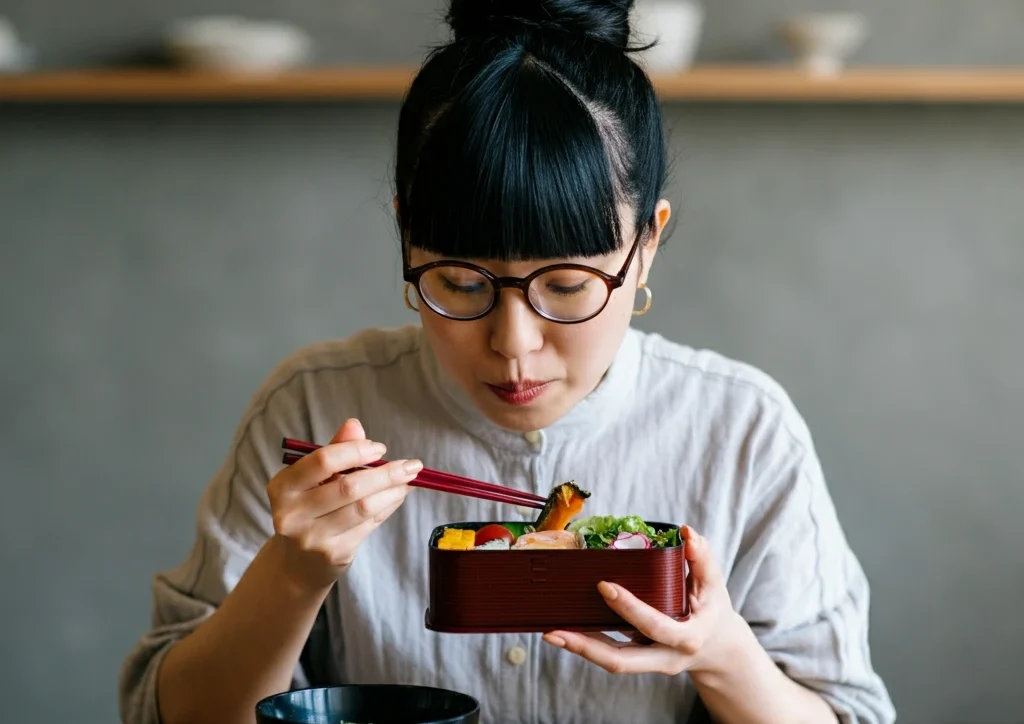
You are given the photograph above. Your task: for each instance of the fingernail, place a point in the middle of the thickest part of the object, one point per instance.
(607, 590)
(413, 466)
(554, 641)
(379, 448)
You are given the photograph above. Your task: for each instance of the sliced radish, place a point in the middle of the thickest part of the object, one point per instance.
(631, 541)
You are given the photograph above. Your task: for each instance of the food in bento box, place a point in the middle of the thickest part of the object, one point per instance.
(547, 540)
(630, 532)
(493, 534)
(554, 530)
(565, 502)
(455, 539)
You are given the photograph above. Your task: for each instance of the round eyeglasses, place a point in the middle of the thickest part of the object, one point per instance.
(562, 293)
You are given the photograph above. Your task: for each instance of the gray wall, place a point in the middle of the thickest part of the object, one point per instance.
(159, 261)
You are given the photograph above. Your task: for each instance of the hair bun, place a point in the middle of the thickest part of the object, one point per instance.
(603, 21)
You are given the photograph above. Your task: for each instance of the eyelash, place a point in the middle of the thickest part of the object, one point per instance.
(569, 291)
(560, 291)
(458, 289)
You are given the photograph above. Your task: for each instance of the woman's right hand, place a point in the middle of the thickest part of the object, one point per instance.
(321, 516)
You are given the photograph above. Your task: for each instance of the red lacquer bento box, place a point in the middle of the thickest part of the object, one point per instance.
(521, 591)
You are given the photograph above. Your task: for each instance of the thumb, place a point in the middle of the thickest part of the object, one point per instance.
(704, 571)
(351, 430)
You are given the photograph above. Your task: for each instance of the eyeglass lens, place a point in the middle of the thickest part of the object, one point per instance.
(564, 295)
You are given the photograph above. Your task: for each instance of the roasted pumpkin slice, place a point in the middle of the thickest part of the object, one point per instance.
(564, 503)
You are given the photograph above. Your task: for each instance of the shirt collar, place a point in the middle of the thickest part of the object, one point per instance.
(616, 389)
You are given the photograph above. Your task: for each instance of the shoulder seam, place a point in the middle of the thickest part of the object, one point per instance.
(258, 413)
(736, 382)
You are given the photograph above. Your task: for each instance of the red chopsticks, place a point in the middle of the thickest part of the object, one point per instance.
(434, 480)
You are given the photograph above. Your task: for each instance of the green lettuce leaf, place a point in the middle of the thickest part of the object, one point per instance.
(666, 538)
(600, 530)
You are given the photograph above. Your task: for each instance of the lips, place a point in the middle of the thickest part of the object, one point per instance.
(518, 393)
(520, 386)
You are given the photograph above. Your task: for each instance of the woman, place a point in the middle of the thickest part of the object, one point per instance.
(531, 140)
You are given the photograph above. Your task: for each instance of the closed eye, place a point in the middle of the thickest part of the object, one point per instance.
(451, 286)
(564, 291)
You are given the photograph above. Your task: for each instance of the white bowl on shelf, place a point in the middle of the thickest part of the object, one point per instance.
(674, 26)
(233, 44)
(823, 42)
(13, 55)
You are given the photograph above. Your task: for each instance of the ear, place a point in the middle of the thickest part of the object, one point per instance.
(662, 214)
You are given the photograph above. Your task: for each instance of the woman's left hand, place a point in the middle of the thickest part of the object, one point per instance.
(674, 646)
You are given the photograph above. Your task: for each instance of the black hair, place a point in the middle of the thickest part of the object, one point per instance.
(523, 136)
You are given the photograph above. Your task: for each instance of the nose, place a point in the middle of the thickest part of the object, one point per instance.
(516, 330)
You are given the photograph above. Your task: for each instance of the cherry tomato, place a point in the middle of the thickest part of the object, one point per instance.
(493, 532)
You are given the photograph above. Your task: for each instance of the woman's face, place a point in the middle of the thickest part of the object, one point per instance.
(521, 370)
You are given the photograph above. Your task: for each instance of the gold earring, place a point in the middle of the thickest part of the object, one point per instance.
(405, 296)
(647, 305)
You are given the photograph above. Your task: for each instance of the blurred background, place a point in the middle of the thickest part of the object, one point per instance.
(166, 242)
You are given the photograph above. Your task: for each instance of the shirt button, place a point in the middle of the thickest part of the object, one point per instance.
(532, 437)
(516, 655)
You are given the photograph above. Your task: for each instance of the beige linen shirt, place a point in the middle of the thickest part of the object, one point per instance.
(671, 433)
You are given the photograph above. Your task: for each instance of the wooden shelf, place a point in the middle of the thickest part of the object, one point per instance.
(701, 84)
(856, 85)
(327, 84)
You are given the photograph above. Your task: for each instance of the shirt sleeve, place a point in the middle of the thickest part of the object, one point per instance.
(232, 524)
(801, 588)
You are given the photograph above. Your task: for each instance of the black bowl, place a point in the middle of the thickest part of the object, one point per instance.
(369, 704)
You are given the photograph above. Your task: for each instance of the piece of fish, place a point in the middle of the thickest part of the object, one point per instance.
(547, 540)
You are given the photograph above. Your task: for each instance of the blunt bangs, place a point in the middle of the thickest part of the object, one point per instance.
(514, 167)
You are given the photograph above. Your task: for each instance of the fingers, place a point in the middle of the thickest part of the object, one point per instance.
(640, 640)
(335, 541)
(369, 508)
(616, 658)
(324, 512)
(647, 621)
(352, 429)
(704, 571)
(320, 465)
(613, 642)
(340, 548)
(356, 486)
(333, 508)
(354, 536)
